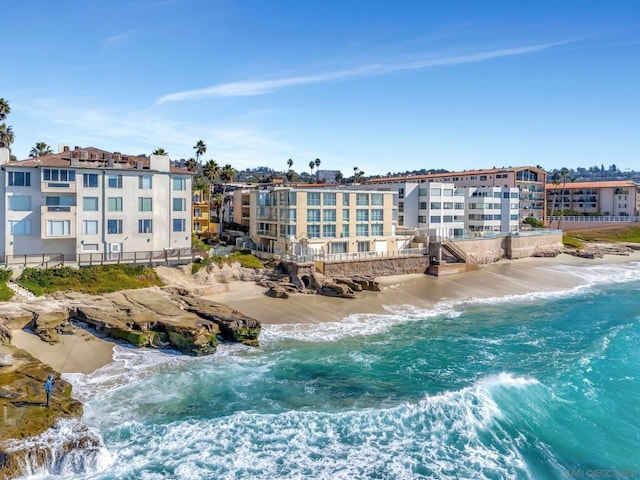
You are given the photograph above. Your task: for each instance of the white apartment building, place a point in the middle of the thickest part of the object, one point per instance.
(490, 209)
(324, 220)
(87, 200)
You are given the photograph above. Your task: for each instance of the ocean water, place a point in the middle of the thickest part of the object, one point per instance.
(538, 386)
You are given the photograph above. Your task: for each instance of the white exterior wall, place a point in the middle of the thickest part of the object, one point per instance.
(75, 241)
(491, 209)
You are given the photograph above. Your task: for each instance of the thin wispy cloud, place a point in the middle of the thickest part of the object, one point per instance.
(261, 87)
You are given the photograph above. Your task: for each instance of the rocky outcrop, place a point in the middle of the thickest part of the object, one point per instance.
(599, 250)
(22, 405)
(337, 290)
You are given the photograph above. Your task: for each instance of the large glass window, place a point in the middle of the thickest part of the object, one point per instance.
(329, 199)
(145, 204)
(345, 214)
(58, 228)
(90, 180)
(436, 192)
(20, 227)
(19, 179)
(20, 203)
(313, 198)
(179, 204)
(90, 204)
(179, 225)
(362, 215)
(345, 231)
(179, 184)
(377, 215)
(145, 225)
(362, 230)
(58, 175)
(436, 205)
(434, 219)
(377, 199)
(362, 199)
(329, 215)
(329, 231)
(313, 231)
(89, 227)
(115, 204)
(363, 246)
(145, 182)
(345, 199)
(376, 230)
(313, 215)
(114, 181)
(114, 226)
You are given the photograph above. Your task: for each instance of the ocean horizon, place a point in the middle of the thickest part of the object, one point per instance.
(541, 385)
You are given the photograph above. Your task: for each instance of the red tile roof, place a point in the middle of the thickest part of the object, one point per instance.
(450, 174)
(90, 157)
(605, 184)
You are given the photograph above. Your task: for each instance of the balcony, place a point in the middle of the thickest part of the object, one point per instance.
(58, 186)
(58, 221)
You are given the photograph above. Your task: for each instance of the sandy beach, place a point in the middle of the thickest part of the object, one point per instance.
(83, 352)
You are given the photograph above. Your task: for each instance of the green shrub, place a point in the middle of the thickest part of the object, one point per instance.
(6, 293)
(570, 241)
(534, 222)
(5, 274)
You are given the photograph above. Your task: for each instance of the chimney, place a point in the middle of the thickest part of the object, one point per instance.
(139, 165)
(62, 148)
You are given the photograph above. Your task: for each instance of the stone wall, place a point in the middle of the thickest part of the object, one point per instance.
(535, 245)
(483, 250)
(378, 268)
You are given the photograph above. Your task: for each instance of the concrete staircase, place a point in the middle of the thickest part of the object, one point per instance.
(21, 292)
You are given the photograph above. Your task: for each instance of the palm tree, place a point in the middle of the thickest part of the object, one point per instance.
(564, 173)
(317, 162)
(312, 165)
(339, 177)
(554, 207)
(40, 150)
(211, 170)
(200, 148)
(227, 173)
(290, 163)
(6, 135)
(5, 109)
(160, 151)
(192, 165)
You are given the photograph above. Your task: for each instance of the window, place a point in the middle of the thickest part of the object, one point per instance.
(448, 205)
(20, 203)
(58, 228)
(338, 247)
(313, 215)
(145, 182)
(329, 199)
(179, 204)
(179, 225)
(483, 177)
(436, 192)
(329, 215)
(363, 246)
(291, 198)
(114, 181)
(362, 215)
(145, 225)
(20, 227)
(345, 199)
(362, 230)
(288, 214)
(145, 204)
(422, 219)
(377, 199)
(436, 205)
(58, 175)
(313, 198)
(89, 227)
(115, 204)
(362, 199)
(114, 226)
(90, 180)
(313, 231)
(345, 214)
(423, 192)
(89, 247)
(447, 219)
(434, 219)
(377, 215)
(458, 206)
(345, 231)
(19, 179)
(422, 206)
(329, 231)
(376, 230)
(179, 184)
(90, 204)
(448, 192)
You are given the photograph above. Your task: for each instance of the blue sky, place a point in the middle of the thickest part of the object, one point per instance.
(387, 86)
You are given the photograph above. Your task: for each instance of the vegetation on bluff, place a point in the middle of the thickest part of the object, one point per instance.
(5, 292)
(93, 280)
(606, 235)
(245, 260)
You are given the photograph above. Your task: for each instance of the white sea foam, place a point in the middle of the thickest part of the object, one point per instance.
(451, 434)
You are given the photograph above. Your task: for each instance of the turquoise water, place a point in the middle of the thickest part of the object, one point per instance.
(541, 386)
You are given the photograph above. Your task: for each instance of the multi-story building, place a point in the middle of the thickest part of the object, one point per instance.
(530, 182)
(293, 220)
(490, 209)
(619, 198)
(327, 176)
(241, 207)
(201, 216)
(87, 200)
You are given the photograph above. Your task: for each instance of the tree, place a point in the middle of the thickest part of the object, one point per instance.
(200, 148)
(227, 173)
(290, 163)
(192, 165)
(6, 135)
(317, 162)
(211, 170)
(556, 184)
(564, 173)
(339, 177)
(40, 150)
(5, 109)
(312, 165)
(160, 151)
(357, 174)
